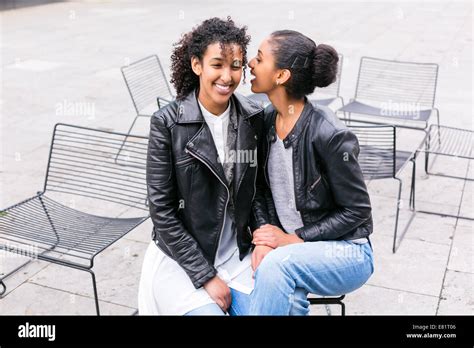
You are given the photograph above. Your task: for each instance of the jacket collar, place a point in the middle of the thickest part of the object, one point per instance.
(202, 144)
(297, 129)
(189, 111)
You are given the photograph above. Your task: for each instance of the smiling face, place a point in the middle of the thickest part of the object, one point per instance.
(262, 66)
(219, 75)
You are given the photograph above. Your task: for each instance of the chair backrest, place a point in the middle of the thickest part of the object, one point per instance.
(377, 157)
(392, 82)
(146, 81)
(334, 88)
(83, 162)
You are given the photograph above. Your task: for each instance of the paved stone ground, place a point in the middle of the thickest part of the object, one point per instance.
(69, 53)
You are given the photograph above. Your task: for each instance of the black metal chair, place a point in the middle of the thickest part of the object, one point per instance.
(458, 143)
(380, 159)
(394, 92)
(326, 301)
(81, 168)
(148, 87)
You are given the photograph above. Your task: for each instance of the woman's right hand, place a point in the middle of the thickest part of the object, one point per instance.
(219, 292)
(258, 254)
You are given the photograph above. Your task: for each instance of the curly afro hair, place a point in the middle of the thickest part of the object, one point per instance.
(195, 43)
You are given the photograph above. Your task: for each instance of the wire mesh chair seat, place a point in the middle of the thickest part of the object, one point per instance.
(357, 107)
(61, 224)
(327, 95)
(380, 159)
(377, 162)
(59, 232)
(457, 143)
(394, 92)
(148, 88)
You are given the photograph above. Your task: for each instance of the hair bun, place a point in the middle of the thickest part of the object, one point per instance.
(325, 65)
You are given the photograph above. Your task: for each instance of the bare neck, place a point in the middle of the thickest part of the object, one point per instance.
(288, 108)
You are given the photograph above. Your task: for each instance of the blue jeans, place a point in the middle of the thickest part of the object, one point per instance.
(287, 274)
(239, 306)
(241, 303)
(327, 268)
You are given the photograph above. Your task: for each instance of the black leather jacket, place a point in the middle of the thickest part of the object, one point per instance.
(330, 191)
(187, 189)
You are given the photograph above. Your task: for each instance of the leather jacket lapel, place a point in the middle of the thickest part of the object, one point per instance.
(203, 147)
(246, 146)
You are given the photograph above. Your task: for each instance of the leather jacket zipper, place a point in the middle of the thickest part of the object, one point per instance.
(266, 164)
(315, 183)
(227, 201)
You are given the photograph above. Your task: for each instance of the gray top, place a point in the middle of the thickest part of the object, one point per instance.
(280, 174)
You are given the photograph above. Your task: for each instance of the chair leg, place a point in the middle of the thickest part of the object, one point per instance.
(96, 297)
(400, 185)
(413, 181)
(342, 102)
(94, 284)
(125, 139)
(4, 288)
(439, 129)
(427, 152)
(397, 215)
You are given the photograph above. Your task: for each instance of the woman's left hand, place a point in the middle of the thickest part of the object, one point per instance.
(273, 237)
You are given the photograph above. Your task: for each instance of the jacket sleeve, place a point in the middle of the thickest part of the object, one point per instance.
(163, 202)
(259, 214)
(263, 208)
(347, 187)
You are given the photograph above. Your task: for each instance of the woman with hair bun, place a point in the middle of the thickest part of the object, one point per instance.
(312, 205)
(201, 173)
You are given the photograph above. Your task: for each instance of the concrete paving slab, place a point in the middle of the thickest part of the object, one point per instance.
(375, 300)
(417, 266)
(462, 254)
(457, 296)
(117, 284)
(40, 300)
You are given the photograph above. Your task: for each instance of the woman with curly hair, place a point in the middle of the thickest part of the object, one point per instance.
(315, 216)
(201, 174)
